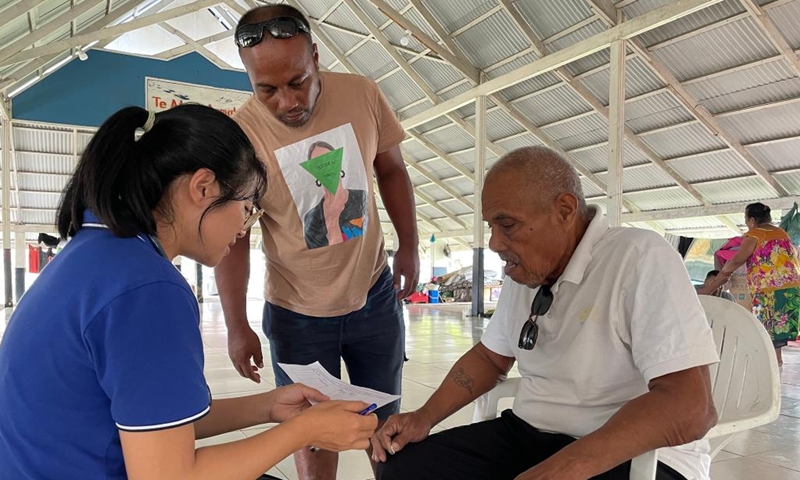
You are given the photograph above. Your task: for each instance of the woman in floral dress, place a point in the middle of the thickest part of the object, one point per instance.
(773, 275)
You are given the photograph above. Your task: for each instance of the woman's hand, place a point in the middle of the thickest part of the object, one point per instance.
(287, 402)
(337, 425)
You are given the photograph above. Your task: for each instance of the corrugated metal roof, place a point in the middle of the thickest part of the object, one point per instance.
(343, 41)
(596, 159)
(691, 223)
(466, 11)
(728, 46)
(790, 181)
(778, 155)
(318, 7)
(739, 190)
(492, 40)
(554, 105)
(757, 85)
(40, 182)
(45, 163)
(37, 217)
(39, 200)
(400, 90)
(526, 87)
(724, 164)
(526, 140)
(40, 140)
(548, 17)
(415, 110)
(764, 124)
(655, 111)
(680, 141)
(589, 188)
(662, 199)
(377, 17)
(344, 17)
(463, 185)
(592, 61)
(438, 75)
(639, 79)
(641, 177)
(451, 139)
(372, 60)
(786, 18)
(580, 133)
(692, 22)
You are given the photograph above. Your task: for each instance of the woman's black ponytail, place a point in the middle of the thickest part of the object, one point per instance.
(122, 180)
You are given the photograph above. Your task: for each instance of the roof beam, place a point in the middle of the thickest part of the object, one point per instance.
(198, 47)
(772, 33)
(625, 30)
(782, 203)
(47, 29)
(184, 49)
(458, 61)
(108, 32)
(415, 77)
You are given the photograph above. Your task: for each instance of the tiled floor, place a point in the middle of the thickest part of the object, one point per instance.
(435, 339)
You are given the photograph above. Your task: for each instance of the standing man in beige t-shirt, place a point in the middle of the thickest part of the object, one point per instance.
(329, 292)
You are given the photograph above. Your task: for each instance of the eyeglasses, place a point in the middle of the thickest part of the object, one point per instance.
(530, 329)
(255, 213)
(281, 27)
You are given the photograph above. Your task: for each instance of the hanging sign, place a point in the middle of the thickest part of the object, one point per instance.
(163, 94)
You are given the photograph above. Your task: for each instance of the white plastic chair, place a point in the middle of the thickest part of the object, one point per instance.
(746, 383)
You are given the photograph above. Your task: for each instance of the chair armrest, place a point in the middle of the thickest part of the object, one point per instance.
(643, 467)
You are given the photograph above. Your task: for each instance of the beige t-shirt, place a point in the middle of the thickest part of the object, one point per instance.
(322, 233)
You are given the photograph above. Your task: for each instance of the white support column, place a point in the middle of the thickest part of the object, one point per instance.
(477, 222)
(6, 144)
(616, 132)
(21, 252)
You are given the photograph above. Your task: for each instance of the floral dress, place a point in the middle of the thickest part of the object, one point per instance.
(773, 276)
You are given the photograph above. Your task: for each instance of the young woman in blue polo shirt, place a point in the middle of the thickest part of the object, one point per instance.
(101, 366)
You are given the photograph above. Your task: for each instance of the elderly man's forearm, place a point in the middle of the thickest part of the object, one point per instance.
(474, 374)
(663, 417)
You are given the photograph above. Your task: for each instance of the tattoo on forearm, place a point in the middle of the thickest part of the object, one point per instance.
(463, 380)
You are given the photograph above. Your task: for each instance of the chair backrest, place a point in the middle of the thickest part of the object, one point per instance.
(746, 382)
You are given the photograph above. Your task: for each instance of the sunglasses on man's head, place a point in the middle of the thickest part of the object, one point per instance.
(530, 329)
(281, 27)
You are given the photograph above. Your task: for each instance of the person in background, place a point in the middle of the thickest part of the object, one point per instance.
(719, 292)
(327, 139)
(773, 275)
(105, 379)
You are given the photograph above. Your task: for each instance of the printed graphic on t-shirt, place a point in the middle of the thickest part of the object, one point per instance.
(328, 182)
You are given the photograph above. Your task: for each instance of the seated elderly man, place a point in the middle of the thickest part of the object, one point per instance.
(612, 344)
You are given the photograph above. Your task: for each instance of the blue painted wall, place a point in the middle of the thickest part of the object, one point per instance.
(86, 93)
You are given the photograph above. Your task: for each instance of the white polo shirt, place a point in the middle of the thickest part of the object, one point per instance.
(624, 312)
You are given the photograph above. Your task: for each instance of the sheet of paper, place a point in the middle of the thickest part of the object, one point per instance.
(315, 376)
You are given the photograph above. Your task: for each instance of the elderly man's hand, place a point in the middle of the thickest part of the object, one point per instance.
(399, 431)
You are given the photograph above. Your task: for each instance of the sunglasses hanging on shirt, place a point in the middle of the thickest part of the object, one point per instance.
(530, 329)
(281, 27)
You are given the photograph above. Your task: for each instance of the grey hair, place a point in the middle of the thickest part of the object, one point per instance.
(546, 172)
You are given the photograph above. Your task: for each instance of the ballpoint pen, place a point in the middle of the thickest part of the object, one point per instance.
(366, 411)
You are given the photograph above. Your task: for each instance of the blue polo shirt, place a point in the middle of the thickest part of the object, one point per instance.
(106, 339)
